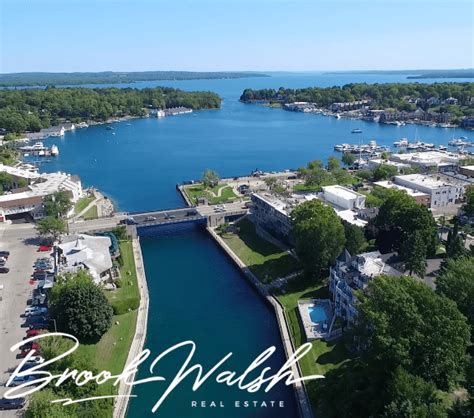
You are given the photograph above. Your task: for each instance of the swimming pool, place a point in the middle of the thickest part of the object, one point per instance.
(317, 314)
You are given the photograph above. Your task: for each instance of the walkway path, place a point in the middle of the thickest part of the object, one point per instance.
(300, 389)
(121, 403)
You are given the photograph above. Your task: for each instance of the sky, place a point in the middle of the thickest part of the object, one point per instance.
(220, 35)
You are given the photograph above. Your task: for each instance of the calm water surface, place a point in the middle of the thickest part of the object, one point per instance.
(195, 292)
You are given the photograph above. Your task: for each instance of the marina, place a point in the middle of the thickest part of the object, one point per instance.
(38, 149)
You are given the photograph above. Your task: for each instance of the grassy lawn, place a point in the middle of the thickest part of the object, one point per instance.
(111, 352)
(324, 356)
(227, 194)
(266, 261)
(82, 203)
(91, 213)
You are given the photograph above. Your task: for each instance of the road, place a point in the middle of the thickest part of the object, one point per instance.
(20, 240)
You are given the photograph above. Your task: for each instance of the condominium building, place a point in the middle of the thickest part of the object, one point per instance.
(351, 274)
(420, 197)
(443, 191)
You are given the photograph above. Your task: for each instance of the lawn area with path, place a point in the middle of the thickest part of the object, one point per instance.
(92, 213)
(264, 259)
(324, 356)
(215, 195)
(83, 203)
(111, 352)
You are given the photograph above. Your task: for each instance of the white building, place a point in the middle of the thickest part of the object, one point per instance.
(343, 198)
(376, 162)
(442, 161)
(87, 252)
(420, 197)
(29, 199)
(442, 192)
(354, 273)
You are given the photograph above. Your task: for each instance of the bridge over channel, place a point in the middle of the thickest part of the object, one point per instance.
(205, 215)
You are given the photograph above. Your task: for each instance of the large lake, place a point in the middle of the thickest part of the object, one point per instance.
(196, 293)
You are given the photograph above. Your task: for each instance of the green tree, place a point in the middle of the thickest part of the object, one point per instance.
(51, 227)
(80, 307)
(57, 204)
(333, 164)
(455, 247)
(412, 397)
(210, 178)
(456, 282)
(413, 251)
(40, 406)
(318, 234)
(348, 158)
(384, 172)
(399, 216)
(404, 323)
(355, 238)
(469, 205)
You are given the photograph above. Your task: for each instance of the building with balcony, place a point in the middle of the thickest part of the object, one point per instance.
(351, 274)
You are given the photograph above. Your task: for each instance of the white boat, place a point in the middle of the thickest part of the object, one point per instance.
(356, 131)
(401, 143)
(54, 150)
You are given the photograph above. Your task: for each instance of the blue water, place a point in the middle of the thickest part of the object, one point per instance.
(195, 291)
(140, 165)
(317, 314)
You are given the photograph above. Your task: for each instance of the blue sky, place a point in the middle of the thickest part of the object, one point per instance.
(206, 35)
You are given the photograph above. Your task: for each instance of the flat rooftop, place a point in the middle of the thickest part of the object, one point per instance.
(425, 181)
(342, 191)
(407, 190)
(427, 157)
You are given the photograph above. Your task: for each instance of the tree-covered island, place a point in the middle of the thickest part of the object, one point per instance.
(33, 109)
(432, 103)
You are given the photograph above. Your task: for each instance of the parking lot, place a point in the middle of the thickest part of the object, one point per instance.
(20, 240)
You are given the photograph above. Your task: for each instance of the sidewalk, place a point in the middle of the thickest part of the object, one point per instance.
(124, 392)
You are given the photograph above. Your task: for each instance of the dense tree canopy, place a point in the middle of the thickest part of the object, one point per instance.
(383, 96)
(57, 204)
(51, 227)
(469, 206)
(456, 282)
(33, 109)
(210, 178)
(318, 234)
(404, 323)
(355, 238)
(80, 307)
(399, 217)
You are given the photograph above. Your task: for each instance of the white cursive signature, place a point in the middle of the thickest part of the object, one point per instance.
(266, 380)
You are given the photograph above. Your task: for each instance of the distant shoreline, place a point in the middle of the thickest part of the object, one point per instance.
(41, 79)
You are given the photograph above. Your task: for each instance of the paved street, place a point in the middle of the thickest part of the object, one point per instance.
(20, 241)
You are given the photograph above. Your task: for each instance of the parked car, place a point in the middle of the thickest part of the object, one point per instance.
(5, 254)
(30, 346)
(32, 332)
(43, 248)
(4, 269)
(19, 380)
(16, 403)
(150, 219)
(35, 360)
(25, 352)
(170, 216)
(129, 221)
(35, 309)
(38, 325)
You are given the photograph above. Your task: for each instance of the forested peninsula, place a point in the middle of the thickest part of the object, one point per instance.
(112, 77)
(33, 109)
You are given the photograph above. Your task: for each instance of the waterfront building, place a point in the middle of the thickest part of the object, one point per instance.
(29, 199)
(467, 171)
(420, 197)
(351, 274)
(441, 161)
(87, 252)
(376, 162)
(304, 107)
(343, 106)
(443, 191)
(53, 131)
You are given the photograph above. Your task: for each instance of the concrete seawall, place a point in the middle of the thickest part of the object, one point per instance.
(300, 389)
(138, 343)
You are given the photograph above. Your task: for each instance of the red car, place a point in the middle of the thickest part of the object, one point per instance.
(34, 346)
(43, 248)
(32, 332)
